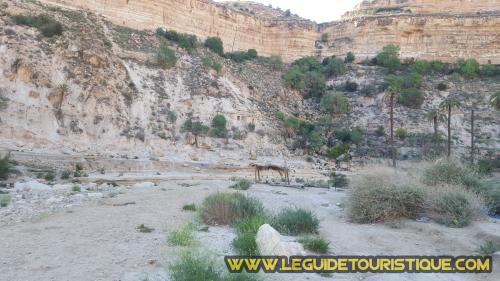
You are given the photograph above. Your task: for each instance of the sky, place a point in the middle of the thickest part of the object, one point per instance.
(316, 10)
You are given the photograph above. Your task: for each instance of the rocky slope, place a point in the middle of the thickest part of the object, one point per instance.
(95, 90)
(442, 30)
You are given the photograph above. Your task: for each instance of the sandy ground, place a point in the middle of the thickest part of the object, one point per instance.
(100, 241)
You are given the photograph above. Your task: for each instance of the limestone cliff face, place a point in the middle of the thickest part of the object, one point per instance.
(426, 29)
(238, 30)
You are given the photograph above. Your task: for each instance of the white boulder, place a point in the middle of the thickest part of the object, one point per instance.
(271, 243)
(144, 185)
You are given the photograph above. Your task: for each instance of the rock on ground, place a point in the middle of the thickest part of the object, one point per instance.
(270, 243)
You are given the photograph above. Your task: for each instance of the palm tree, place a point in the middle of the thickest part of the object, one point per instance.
(449, 104)
(495, 100)
(392, 92)
(435, 116)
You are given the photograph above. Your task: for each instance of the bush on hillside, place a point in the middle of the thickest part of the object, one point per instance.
(241, 184)
(215, 45)
(44, 23)
(5, 167)
(389, 57)
(246, 231)
(166, 57)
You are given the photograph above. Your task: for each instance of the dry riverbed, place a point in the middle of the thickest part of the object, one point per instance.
(96, 236)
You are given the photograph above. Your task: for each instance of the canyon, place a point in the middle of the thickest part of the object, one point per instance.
(433, 30)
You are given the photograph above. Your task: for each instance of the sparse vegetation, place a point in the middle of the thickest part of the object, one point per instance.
(185, 41)
(489, 248)
(196, 266)
(411, 97)
(76, 188)
(48, 26)
(189, 207)
(315, 244)
(227, 208)
(246, 231)
(295, 221)
(5, 167)
(196, 128)
(166, 57)
(242, 56)
(144, 229)
(401, 133)
(349, 58)
(5, 200)
(241, 184)
(182, 237)
(211, 63)
(453, 209)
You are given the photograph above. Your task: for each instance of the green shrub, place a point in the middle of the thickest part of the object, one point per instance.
(50, 176)
(324, 37)
(491, 195)
(412, 98)
(182, 237)
(442, 86)
(215, 45)
(351, 86)
(45, 24)
(401, 133)
(197, 266)
(165, 57)
(295, 221)
(242, 184)
(189, 207)
(5, 200)
(315, 84)
(5, 167)
(489, 248)
(439, 67)
(337, 151)
(66, 174)
(421, 66)
(469, 68)
(144, 229)
(76, 188)
(453, 173)
(335, 103)
(246, 232)
(453, 209)
(334, 67)
(226, 208)
(219, 126)
(184, 40)
(211, 63)
(349, 135)
(349, 57)
(194, 267)
(412, 80)
(295, 78)
(315, 244)
(389, 57)
(378, 196)
(380, 132)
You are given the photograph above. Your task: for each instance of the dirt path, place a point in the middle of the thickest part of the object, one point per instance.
(101, 242)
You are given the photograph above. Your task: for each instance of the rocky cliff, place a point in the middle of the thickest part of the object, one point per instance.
(442, 30)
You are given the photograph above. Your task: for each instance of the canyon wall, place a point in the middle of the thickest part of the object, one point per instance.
(238, 30)
(426, 29)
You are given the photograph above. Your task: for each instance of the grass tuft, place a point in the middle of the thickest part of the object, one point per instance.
(5, 200)
(144, 229)
(246, 231)
(242, 184)
(315, 244)
(189, 207)
(295, 221)
(227, 208)
(182, 237)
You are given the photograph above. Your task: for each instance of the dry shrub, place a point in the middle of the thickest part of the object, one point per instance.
(226, 208)
(453, 206)
(382, 195)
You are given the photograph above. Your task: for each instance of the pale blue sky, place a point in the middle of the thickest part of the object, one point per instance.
(317, 10)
